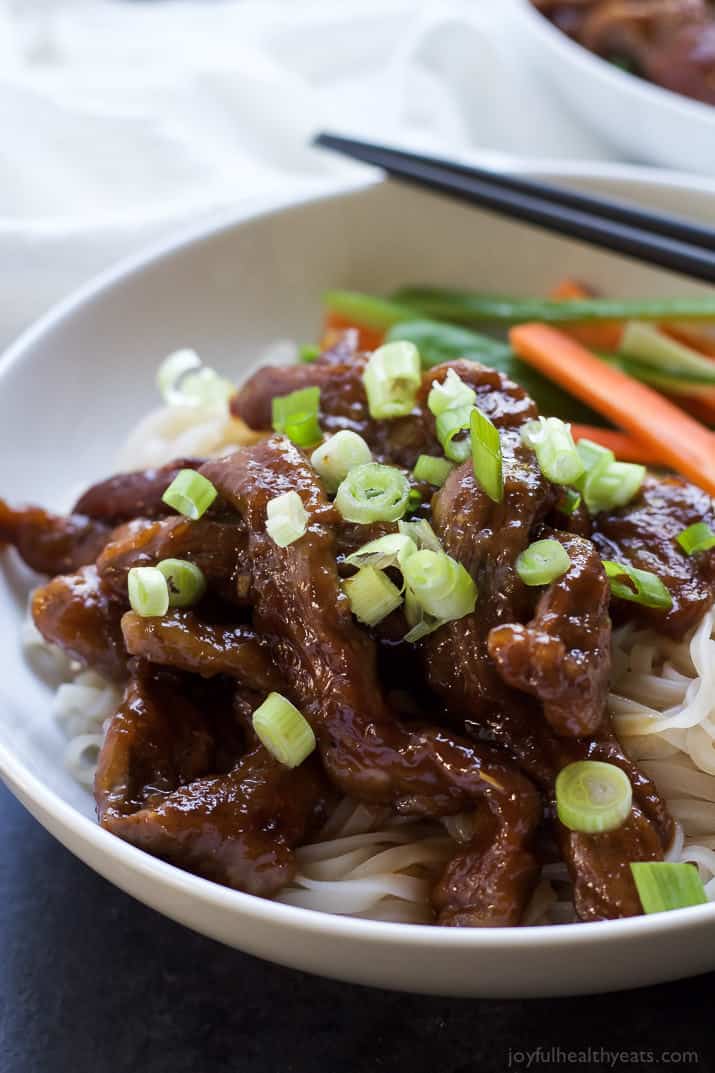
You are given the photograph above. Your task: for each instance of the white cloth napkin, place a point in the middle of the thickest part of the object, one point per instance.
(122, 121)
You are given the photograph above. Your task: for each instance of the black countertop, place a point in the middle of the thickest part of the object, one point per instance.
(93, 982)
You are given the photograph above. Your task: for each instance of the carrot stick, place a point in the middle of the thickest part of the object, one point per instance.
(368, 338)
(601, 335)
(680, 440)
(625, 448)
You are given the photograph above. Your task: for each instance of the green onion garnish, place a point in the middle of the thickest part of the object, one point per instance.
(308, 352)
(373, 493)
(542, 562)
(665, 885)
(414, 500)
(697, 537)
(284, 731)
(637, 586)
(570, 501)
(296, 416)
(148, 591)
(190, 493)
(183, 380)
(340, 454)
(606, 483)
(372, 595)
(592, 797)
(451, 394)
(557, 455)
(392, 379)
(286, 519)
(185, 581)
(421, 534)
(486, 455)
(390, 550)
(451, 427)
(433, 470)
(440, 585)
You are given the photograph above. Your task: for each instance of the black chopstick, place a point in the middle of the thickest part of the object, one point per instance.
(659, 239)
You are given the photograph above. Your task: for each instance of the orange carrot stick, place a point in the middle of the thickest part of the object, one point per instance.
(600, 335)
(334, 324)
(680, 440)
(625, 448)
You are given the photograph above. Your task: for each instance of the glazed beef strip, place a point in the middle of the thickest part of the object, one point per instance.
(81, 615)
(343, 403)
(643, 534)
(132, 495)
(52, 543)
(329, 666)
(182, 640)
(156, 786)
(486, 538)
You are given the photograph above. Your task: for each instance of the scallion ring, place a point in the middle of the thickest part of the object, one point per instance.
(440, 585)
(286, 519)
(421, 534)
(542, 562)
(185, 581)
(450, 394)
(432, 470)
(696, 538)
(340, 454)
(637, 586)
(148, 591)
(373, 493)
(296, 416)
(557, 455)
(593, 797)
(372, 595)
(283, 730)
(391, 550)
(190, 493)
(452, 427)
(392, 378)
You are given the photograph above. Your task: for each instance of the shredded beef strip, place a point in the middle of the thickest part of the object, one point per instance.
(52, 543)
(217, 547)
(643, 534)
(132, 495)
(562, 656)
(180, 639)
(343, 403)
(329, 666)
(487, 538)
(156, 787)
(81, 615)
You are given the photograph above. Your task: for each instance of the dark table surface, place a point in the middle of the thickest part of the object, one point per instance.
(92, 981)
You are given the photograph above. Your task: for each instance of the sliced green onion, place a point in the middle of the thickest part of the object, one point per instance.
(593, 797)
(440, 585)
(486, 455)
(372, 595)
(451, 428)
(286, 519)
(340, 454)
(665, 885)
(695, 538)
(296, 416)
(190, 493)
(180, 386)
(606, 483)
(308, 352)
(392, 379)
(391, 550)
(450, 394)
(285, 732)
(433, 470)
(542, 562)
(373, 493)
(414, 500)
(570, 501)
(558, 457)
(148, 591)
(421, 534)
(637, 586)
(185, 581)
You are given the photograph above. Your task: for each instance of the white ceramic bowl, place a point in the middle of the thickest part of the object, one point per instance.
(69, 391)
(643, 121)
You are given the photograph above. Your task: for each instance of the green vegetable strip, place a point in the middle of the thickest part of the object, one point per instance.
(665, 885)
(366, 310)
(463, 307)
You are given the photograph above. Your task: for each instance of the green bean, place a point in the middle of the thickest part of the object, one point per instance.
(462, 307)
(365, 310)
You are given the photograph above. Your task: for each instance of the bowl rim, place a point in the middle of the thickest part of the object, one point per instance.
(81, 829)
(649, 92)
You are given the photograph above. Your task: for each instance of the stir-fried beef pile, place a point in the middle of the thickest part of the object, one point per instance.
(669, 42)
(478, 717)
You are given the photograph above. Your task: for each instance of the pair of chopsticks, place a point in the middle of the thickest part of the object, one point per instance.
(658, 239)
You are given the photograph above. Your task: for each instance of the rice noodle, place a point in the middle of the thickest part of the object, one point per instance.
(366, 861)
